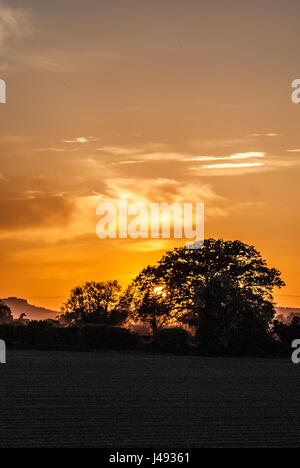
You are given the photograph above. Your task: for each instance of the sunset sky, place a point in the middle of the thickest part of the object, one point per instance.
(162, 100)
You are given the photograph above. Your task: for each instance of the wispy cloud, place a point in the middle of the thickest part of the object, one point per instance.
(164, 190)
(232, 156)
(13, 139)
(19, 23)
(265, 134)
(297, 150)
(232, 165)
(14, 23)
(247, 155)
(81, 140)
(142, 155)
(55, 149)
(141, 150)
(273, 163)
(130, 162)
(119, 151)
(162, 156)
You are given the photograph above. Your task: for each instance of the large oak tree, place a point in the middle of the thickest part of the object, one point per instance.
(224, 290)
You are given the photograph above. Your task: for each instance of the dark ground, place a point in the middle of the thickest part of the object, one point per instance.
(65, 399)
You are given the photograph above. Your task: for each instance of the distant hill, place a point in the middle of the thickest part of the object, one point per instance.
(21, 306)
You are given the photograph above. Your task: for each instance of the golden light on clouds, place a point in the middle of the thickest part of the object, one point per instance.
(232, 165)
(131, 106)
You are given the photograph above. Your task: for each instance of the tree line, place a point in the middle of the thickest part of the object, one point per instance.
(222, 293)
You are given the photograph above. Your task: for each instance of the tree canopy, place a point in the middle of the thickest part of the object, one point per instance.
(224, 290)
(95, 302)
(151, 302)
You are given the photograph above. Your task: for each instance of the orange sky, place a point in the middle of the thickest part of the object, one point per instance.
(137, 97)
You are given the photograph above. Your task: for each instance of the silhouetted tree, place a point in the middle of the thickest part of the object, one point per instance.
(223, 289)
(5, 314)
(153, 311)
(95, 302)
(150, 301)
(287, 332)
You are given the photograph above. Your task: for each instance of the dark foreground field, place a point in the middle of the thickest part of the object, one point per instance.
(65, 399)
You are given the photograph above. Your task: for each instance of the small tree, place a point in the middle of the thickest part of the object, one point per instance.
(94, 302)
(150, 300)
(153, 311)
(5, 314)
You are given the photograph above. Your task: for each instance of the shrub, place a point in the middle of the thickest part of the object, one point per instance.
(58, 338)
(106, 337)
(286, 333)
(173, 340)
(40, 335)
(12, 335)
